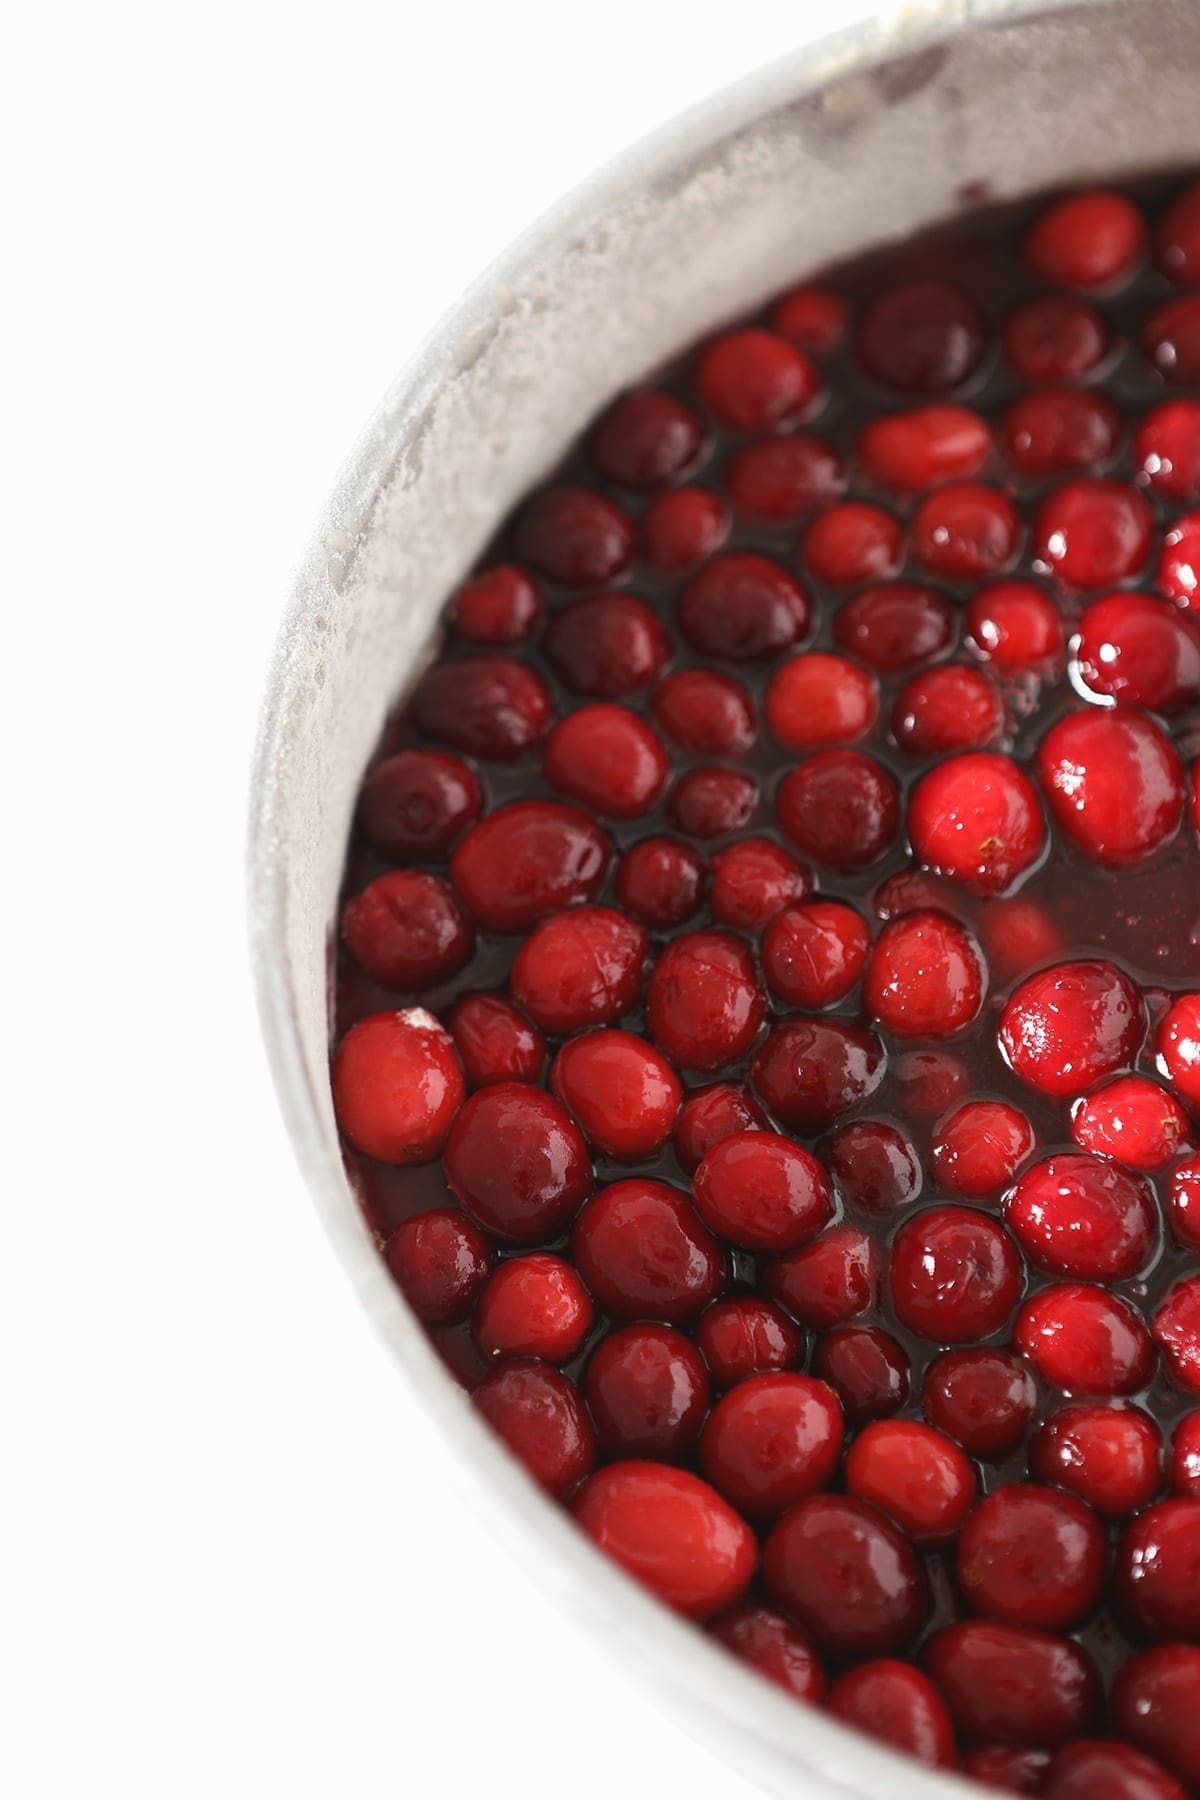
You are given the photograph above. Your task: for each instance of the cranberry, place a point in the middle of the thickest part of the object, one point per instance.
(1009, 1684)
(582, 967)
(916, 450)
(762, 1192)
(645, 1253)
(607, 758)
(1056, 337)
(1171, 341)
(964, 530)
(670, 1531)
(439, 1260)
(1058, 432)
(645, 438)
(576, 537)
(609, 645)
(925, 978)
(1007, 1767)
(867, 1369)
(743, 607)
(515, 1161)
(753, 880)
(1167, 449)
(894, 1702)
(845, 1574)
(829, 1281)
(811, 1071)
(711, 1113)
(1088, 240)
(1111, 1456)
(1136, 648)
(1184, 1195)
(746, 1336)
(1081, 1216)
(660, 881)
(1093, 533)
(682, 527)
(841, 808)
(814, 954)
(1018, 935)
(1178, 1045)
(1015, 627)
(397, 1085)
(921, 338)
(1095, 1770)
(494, 1041)
(955, 1275)
(779, 479)
(752, 379)
(1177, 239)
(916, 890)
(1177, 1328)
(821, 699)
(976, 818)
(542, 1420)
(489, 706)
(414, 805)
(704, 713)
(623, 1093)
(954, 707)
(773, 1646)
(500, 606)
(1156, 1578)
(1156, 1705)
(771, 1440)
(980, 1147)
(814, 318)
(1185, 1456)
(1066, 1028)
(534, 1306)
(526, 859)
(983, 1399)
(648, 1391)
(1084, 1340)
(928, 1083)
(407, 931)
(853, 542)
(1133, 1120)
(875, 1166)
(1179, 560)
(704, 1004)
(1030, 1555)
(1114, 782)
(712, 802)
(914, 1473)
(895, 626)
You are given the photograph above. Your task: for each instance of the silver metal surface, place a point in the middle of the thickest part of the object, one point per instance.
(855, 139)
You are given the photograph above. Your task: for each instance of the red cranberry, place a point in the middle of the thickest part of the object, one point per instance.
(542, 1420)
(1031, 1555)
(494, 1041)
(1007, 1767)
(1178, 1045)
(983, 1399)
(976, 818)
(439, 1260)
(1093, 533)
(499, 606)
(1177, 1328)
(753, 880)
(645, 1253)
(853, 542)
(980, 1147)
(928, 1083)
(516, 1162)
(623, 1093)
(1179, 560)
(1111, 1456)
(1007, 1684)
(1056, 337)
(414, 805)
(820, 699)
(660, 881)
(811, 1071)
(895, 626)
(1167, 449)
(771, 1440)
(1171, 341)
(916, 890)
(407, 931)
(1133, 1120)
(489, 706)
(743, 607)
(704, 1004)
(875, 1166)
(397, 1085)
(846, 1575)
(746, 1336)
(814, 954)
(672, 1532)
(964, 530)
(1066, 1028)
(682, 527)
(841, 808)
(609, 645)
(1015, 627)
(1184, 1196)
(1156, 1577)
(1185, 1456)
(526, 859)
(1177, 239)
(576, 537)
(1156, 1705)
(648, 1392)
(1114, 782)
(534, 1306)
(645, 438)
(916, 450)
(762, 1192)
(704, 713)
(1142, 650)
(1084, 1340)
(1017, 935)
(712, 802)
(582, 967)
(1095, 1770)
(1088, 240)
(813, 318)
(925, 978)
(829, 1281)
(712, 1113)
(867, 1369)
(955, 1275)
(1059, 432)
(779, 479)
(917, 1475)
(894, 1702)
(921, 338)
(753, 379)
(950, 708)
(773, 1646)
(608, 759)
(1082, 1216)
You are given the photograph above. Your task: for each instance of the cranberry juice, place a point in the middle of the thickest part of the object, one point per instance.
(768, 992)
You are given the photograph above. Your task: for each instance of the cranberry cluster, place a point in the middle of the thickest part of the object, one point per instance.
(769, 993)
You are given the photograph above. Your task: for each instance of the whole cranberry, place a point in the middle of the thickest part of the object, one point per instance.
(439, 1260)
(983, 1399)
(1111, 1456)
(644, 438)
(1007, 1684)
(397, 1086)
(976, 818)
(1140, 650)
(712, 802)
(745, 1336)
(809, 1072)
(875, 1166)
(955, 1275)
(916, 890)
(1167, 449)
(1178, 1045)
(407, 931)
(980, 1147)
(682, 527)
(916, 450)
(624, 1094)
(895, 1703)
(814, 318)
(660, 881)
(648, 1390)
(705, 713)
(853, 542)
(494, 1041)
(489, 706)
(772, 1645)
(1018, 934)
(534, 1306)
(1185, 1456)
(1177, 1329)
(813, 954)
(1089, 240)
(414, 805)
(964, 530)
(818, 699)
(575, 537)
(841, 808)
(670, 1531)
(579, 968)
(771, 1440)
(709, 1114)
(776, 480)
(1094, 1769)
(704, 1003)
(1171, 341)
(1079, 1215)
(1015, 627)
(1007, 1767)
(744, 608)
(1030, 1555)
(844, 1573)
(753, 379)
(762, 1192)
(526, 859)
(1093, 532)
(1156, 1705)
(542, 1420)
(829, 1281)
(1055, 337)
(752, 880)
(917, 1475)
(1084, 1340)
(925, 977)
(645, 1253)
(1067, 1027)
(923, 337)
(1184, 1197)
(607, 758)
(1156, 1576)
(1059, 432)
(952, 707)
(498, 606)
(867, 1369)
(895, 625)
(1134, 1121)
(1177, 239)
(608, 645)
(516, 1162)
(1178, 571)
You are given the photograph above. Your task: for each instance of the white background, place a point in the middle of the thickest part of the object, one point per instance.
(231, 1566)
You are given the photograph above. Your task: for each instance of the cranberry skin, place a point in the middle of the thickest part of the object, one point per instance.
(1171, 341)
(915, 1474)
(1079, 1215)
(712, 803)
(1030, 1555)
(1059, 432)
(744, 608)
(407, 931)
(705, 713)
(915, 890)
(542, 1420)
(779, 479)
(500, 606)
(1056, 337)
(1085, 1341)
(829, 1281)
(648, 1391)
(1093, 1769)
(753, 880)
(954, 707)
(1167, 449)
(1005, 1766)
(1093, 533)
(415, 805)
(704, 1004)
(660, 881)
(867, 1369)
(1017, 936)
(976, 818)
(1010, 1685)
(895, 1703)
(526, 859)
(439, 1260)
(1184, 1196)
(814, 318)
(397, 1085)
(841, 808)
(916, 450)
(489, 706)
(875, 1166)
(928, 1083)
(895, 626)
(746, 1336)
(964, 530)
(983, 1399)
(610, 645)
(1134, 1121)
(809, 1072)
(1178, 1045)
(645, 438)
(853, 542)
(1111, 1456)
(847, 1577)
(1156, 1577)
(980, 1147)
(623, 1093)
(516, 1162)
(575, 537)
(682, 527)
(926, 977)
(753, 379)
(770, 1441)
(1089, 240)
(711, 1113)
(582, 967)
(1177, 240)
(1177, 1328)
(1156, 1705)
(762, 1192)
(1179, 560)
(534, 1306)
(921, 338)
(1015, 627)
(773, 1646)
(1067, 1027)
(814, 954)
(1185, 1456)
(645, 1253)
(670, 1531)
(820, 699)
(1141, 650)
(494, 1041)
(607, 758)
(955, 1275)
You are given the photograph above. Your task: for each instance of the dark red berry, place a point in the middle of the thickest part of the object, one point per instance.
(773, 1646)
(645, 1253)
(647, 1390)
(414, 805)
(704, 1004)
(841, 808)
(922, 338)
(1183, 1194)
(983, 1399)
(743, 607)
(607, 646)
(779, 479)
(1059, 432)
(499, 606)
(753, 379)
(407, 931)
(954, 707)
(712, 802)
(397, 1086)
(1018, 934)
(582, 967)
(542, 1420)
(853, 542)
(575, 537)
(516, 1162)
(1171, 341)
(829, 1281)
(1008, 1684)
(955, 1275)
(1185, 1456)
(709, 1114)
(875, 1166)
(895, 625)
(1094, 1769)
(527, 859)
(1030, 1555)
(1167, 449)
(705, 713)
(494, 1041)
(1177, 1329)
(753, 880)
(1056, 337)
(980, 1147)
(1177, 239)
(682, 527)
(1156, 1576)
(644, 438)
(745, 1336)
(927, 1083)
(867, 1369)
(844, 1573)
(762, 1192)
(814, 953)
(809, 1072)
(439, 1260)
(814, 318)
(489, 706)
(672, 1532)
(1007, 1767)
(660, 881)
(1156, 1705)
(895, 1703)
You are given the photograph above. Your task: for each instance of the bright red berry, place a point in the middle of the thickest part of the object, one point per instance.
(753, 379)
(607, 758)
(762, 1192)
(705, 713)
(670, 1531)
(771, 1440)
(955, 1275)
(704, 1004)
(494, 1041)
(526, 859)
(965, 530)
(1082, 1216)
(814, 953)
(916, 450)
(499, 606)
(533, 1306)
(1067, 1027)
(1088, 240)
(1178, 1045)
(894, 1702)
(624, 1094)
(753, 880)
(579, 968)
(745, 1336)
(1084, 1340)
(1177, 1328)
(980, 1147)
(1156, 1574)
(819, 699)
(1111, 1456)
(829, 1281)
(709, 1114)
(1134, 1121)
(683, 526)
(1093, 533)
(407, 930)
(977, 819)
(925, 977)
(914, 1473)
(853, 542)
(397, 1086)
(952, 707)
(1015, 627)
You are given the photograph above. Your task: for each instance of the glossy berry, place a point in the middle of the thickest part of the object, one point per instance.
(922, 338)
(1111, 1456)
(1055, 337)
(1096, 1769)
(644, 438)
(1067, 1027)
(1031, 1555)
(867, 1369)
(977, 819)
(875, 1166)
(829, 1281)
(645, 1253)
(743, 608)
(499, 606)
(624, 1094)
(771, 1440)
(894, 1702)
(541, 1418)
(1177, 239)
(762, 1192)
(1114, 783)
(753, 379)
(712, 802)
(952, 707)
(983, 1399)
(955, 1275)
(1084, 1340)
(814, 318)
(744, 1336)
(670, 1531)
(705, 713)
(820, 699)
(853, 542)
(709, 1114)
(777, 480)
(660, 881)
(1178, 1045)
(925, 977)
(1089, 240)
(580, 968)
(1134, 1121)
(397, 1085)
(1156, 1705)
(494, 1041)
(1059, 431)
(1093, 533)
(704, 1004)
(844, 1573)
(965, 530)
(809, 1072)
(1183, 1194)
(1167, 449)
(915, 1474)
(439, 1260)
(607, 646)
(1178, 573)
(1185, 1456)
(771, 1644)
(1140, 650)
(533, 1306)
(415, 805)
(407, 930)
(1010, 1684)
(528, 859)
(516, 1162)
(979, 1148)
(919, 449)
(1015, 627)
(1082, 1216)
(813, 954)
(682, 527)
(647, 1390)
(841, 808)
(1007, 1767)
(488, 706)
(1171, 341)
(753, 880)
(1156, 1572)
(608, 759)
(575, 537)
(1176, 1327)
(895, 626)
